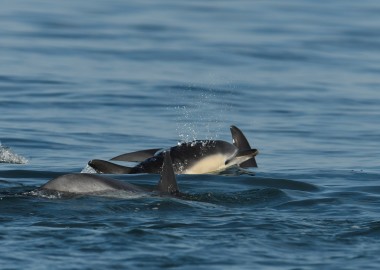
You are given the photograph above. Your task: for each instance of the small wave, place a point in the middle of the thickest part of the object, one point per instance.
(309, 203)
(280, 183)
(8, 156)
(371, 229)
(257, 197)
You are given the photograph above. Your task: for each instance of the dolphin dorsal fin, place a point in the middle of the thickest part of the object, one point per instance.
(241, 142)
(168, 182)
(238, 139)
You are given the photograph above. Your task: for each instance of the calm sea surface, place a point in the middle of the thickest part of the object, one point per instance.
(93, 79)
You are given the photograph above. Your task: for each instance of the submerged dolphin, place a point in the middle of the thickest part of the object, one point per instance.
(79, 183)
(197, 157)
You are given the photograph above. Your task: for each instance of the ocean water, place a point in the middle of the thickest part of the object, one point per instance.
(94, 79)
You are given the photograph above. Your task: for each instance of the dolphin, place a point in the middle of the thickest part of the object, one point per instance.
(82, 183)
(196, 157)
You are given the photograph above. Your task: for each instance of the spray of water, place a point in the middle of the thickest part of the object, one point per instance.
(202, 114)
(8, 156)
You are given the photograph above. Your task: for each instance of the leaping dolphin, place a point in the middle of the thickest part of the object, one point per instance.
(81, 183)
(196, 157)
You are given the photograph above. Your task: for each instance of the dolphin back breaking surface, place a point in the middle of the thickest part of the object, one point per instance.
(196, 157)
(83, 183)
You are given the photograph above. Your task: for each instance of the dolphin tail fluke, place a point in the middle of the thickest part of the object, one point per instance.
(137, 156)
(241, 142)
(168, 182)
(102, 166)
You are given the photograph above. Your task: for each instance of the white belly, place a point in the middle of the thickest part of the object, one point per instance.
(208, 164)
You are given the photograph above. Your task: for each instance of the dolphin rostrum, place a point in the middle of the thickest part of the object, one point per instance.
(83, 183)
(196, 157)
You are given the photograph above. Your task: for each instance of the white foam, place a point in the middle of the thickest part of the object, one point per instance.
(118, 194)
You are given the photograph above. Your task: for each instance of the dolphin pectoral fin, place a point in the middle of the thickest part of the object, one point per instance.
(137, 156)
(102, 166)
(249, 163)
(238, 139)
(168, 182)
(249, 155)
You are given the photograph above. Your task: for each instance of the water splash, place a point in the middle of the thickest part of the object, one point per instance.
(44, 194)
(201, 116)
(88, 169)
(8, 156)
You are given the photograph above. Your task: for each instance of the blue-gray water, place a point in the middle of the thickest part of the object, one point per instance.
(93, 79)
